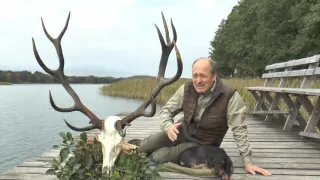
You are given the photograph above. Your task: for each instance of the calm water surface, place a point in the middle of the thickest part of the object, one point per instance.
(29, 125)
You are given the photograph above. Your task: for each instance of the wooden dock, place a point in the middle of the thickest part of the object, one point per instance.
(286, 154)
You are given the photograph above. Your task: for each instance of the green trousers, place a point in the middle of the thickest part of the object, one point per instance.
(160, 149)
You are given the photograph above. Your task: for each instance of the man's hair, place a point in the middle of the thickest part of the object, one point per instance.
(212, 64)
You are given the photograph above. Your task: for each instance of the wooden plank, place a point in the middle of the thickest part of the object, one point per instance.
(292, 116)
(297, 172)
(266, 89)
(306, 104)
(313, 92)
(293, 73)
(251, 138)
(280, 165)
(270, 99)
(280, 151)
(292, 157)
(230, 153)
(262, 153)
(260, 101)
(270, 112)
(291, 63)
(237, 170)
(290, 104)
(306, 82)
(317, 71)
(279, 160)
(281, 84)
(256, 96)
(273, 177)
(26, 177)
(274, 103)
(314, 118)
(135, 129)
(279, 144)
(311, 135)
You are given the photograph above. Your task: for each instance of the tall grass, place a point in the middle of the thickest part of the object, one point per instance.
(5, 83)
(140, 89)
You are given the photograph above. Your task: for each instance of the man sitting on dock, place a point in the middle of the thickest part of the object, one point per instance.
(210, 108)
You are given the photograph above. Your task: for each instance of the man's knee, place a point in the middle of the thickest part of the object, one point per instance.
(153, 142)
(170, 154)
(159, 158)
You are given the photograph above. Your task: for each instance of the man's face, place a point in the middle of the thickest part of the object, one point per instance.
(201, 76)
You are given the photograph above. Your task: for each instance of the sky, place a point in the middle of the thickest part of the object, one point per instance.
(107, 38)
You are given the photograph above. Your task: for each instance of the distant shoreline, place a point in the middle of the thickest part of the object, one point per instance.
(5, 83)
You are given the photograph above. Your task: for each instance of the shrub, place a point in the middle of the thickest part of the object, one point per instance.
(83, 160)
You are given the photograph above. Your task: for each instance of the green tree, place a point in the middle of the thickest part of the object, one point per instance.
(259, 32)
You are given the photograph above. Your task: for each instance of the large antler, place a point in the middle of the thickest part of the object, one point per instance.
(162, 82)
(59, 75)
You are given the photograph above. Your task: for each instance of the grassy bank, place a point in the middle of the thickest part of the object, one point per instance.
(139, 89)
(5, 83)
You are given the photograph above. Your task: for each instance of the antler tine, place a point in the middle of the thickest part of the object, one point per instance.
(165, 28)
(60, 76)
(166, 50)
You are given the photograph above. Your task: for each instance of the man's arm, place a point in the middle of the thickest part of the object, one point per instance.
(236, 116)
(171, 109)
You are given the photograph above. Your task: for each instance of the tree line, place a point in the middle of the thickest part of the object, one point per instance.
(38, 77)
(261, 32)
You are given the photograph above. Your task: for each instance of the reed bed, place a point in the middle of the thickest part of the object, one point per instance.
(5, 83)
(140, 89)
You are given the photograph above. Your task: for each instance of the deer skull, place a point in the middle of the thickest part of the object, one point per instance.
(112, 135)
(111, 141)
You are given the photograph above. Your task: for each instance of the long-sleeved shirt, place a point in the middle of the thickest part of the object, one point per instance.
(236, 117)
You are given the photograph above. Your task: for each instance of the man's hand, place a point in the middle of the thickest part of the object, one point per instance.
(253, 169)
(173, 131)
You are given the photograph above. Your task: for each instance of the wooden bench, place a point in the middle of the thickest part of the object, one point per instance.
(306, 70)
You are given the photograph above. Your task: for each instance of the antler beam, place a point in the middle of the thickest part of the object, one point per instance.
(60, 76)
(162, 82)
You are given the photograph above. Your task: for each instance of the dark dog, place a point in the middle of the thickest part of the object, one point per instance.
(208, 157)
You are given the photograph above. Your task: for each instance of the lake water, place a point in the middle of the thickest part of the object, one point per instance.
(29, 125)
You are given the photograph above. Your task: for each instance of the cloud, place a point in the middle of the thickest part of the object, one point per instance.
(107, 38)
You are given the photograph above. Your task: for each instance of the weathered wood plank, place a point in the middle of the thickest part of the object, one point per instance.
(314, 118)
(235, 159)
(297, 172)
(311, 135)
(269, 150)
(293, 73)
(273, 177)
(234, 154)
(290, 63)
(26, 177)
(290, 104)
(270, 112)
(317, 71)
(292, 157)
(292, 116)
(280, 165)
(262, 88)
